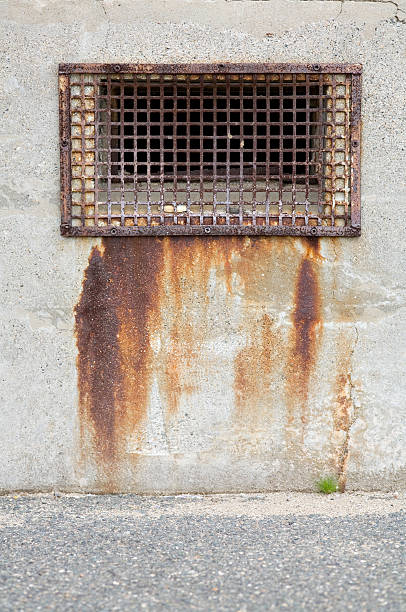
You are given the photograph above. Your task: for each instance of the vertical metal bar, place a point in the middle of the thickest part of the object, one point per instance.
(108, 137)
(241, 182)
(281, 141)
(175, 140)
(320, 128)
(254, 149)
(161, 147)
(202, 140)
(294, 152)
(148, 84)
(65, 151)
(268, 147)
(83, 151)
(333, 135)
(214, 144)
(347, 156)
(188, 149)
(122, 152)
(96, 147)
(309, 127)
(227, 77)
(135, 177)
(355, 151)
(308, 147)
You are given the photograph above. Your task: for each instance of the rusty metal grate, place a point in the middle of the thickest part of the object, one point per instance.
(210, 149)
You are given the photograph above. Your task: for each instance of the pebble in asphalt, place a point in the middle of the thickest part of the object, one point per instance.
(189, 553)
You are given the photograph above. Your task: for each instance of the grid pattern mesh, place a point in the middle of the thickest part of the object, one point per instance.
(186, 153)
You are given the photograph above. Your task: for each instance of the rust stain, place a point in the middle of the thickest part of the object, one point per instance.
(114, 317)
(306, 332)
(98, 360)
(188, 264)
(135, 291)
(263, 275)
(179, 255)
(150, 305)
(253, 368)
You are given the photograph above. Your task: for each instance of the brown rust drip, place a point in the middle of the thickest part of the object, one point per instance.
(114, 316)
(306, 331)
(180, 255)
(253, 368)
(98, 360)
(188, 264)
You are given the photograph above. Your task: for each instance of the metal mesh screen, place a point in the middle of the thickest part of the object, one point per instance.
(242, 150)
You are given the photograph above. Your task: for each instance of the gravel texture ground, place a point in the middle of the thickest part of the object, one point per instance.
(225, 552)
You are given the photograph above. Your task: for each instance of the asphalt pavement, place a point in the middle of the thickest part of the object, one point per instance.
(240, 553)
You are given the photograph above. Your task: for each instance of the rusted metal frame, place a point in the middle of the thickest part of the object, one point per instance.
(222, 68)
(214, 230)
(355, 132)
(65, 140)
(122, 147)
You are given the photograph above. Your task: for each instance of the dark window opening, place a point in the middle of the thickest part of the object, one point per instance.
(266, 140)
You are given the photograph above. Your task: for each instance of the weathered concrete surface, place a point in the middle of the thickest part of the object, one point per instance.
(168, 365)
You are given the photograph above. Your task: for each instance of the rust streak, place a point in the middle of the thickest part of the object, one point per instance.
(98, 360)
(306, 331)
(189, 262)
(253, 367)
(114, 317)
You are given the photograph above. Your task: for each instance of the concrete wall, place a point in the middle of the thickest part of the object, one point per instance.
(207, 348)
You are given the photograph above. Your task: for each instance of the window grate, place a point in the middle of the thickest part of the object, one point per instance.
(223, 149)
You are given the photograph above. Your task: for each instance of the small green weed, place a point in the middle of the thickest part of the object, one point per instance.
(327, 485)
